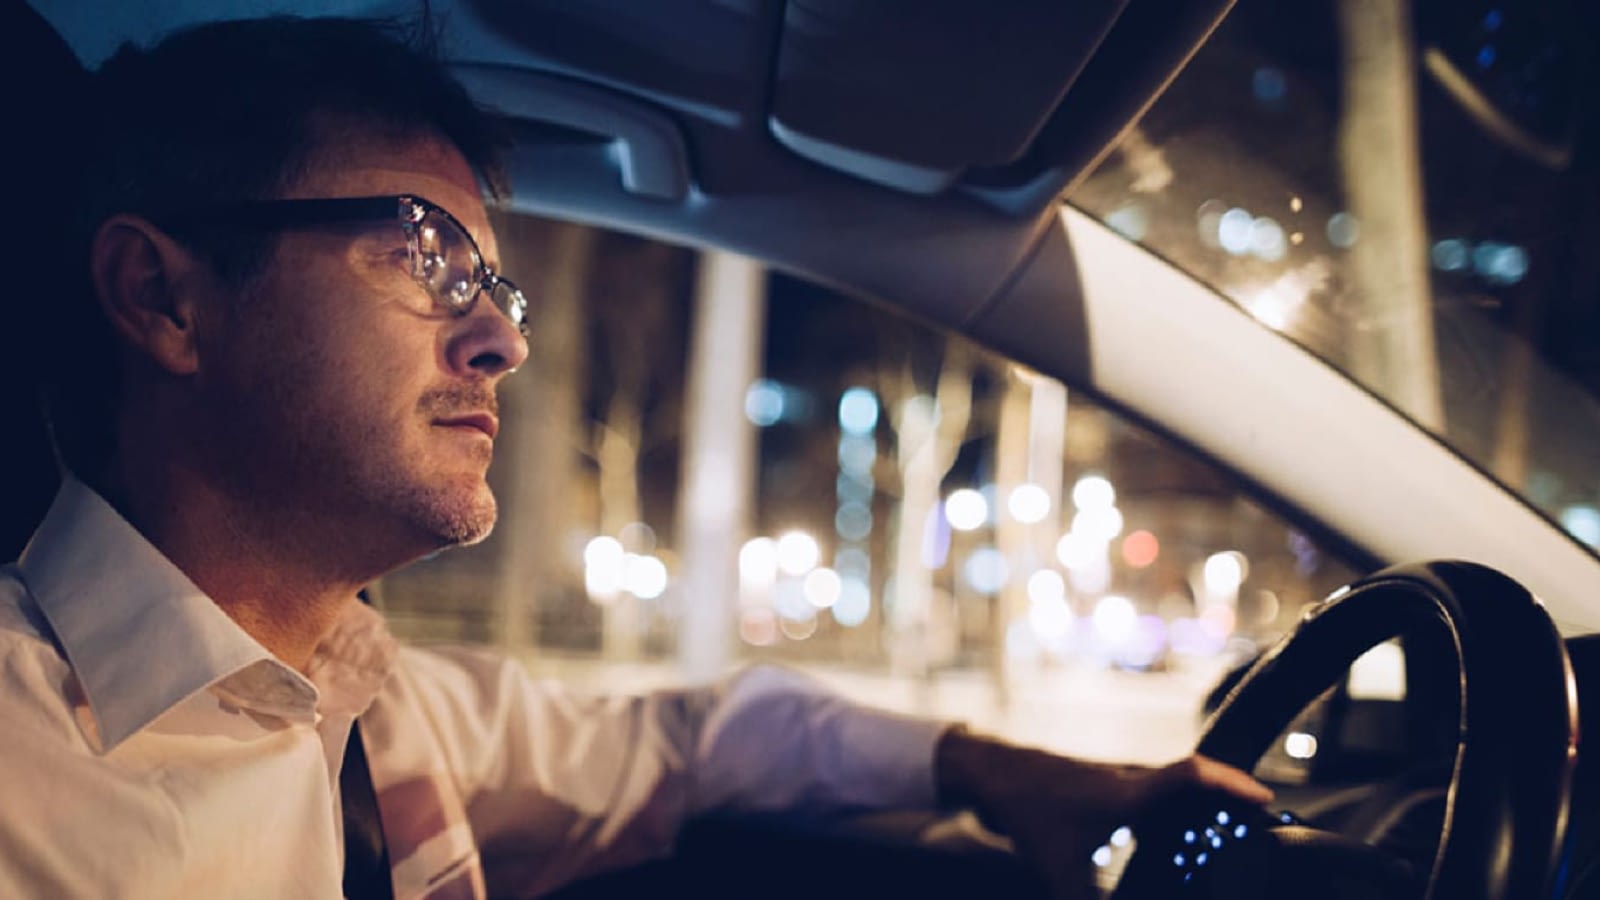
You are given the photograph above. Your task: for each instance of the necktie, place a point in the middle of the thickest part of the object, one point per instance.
(366, 856)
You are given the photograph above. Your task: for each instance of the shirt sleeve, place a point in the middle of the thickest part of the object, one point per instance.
(557, 784)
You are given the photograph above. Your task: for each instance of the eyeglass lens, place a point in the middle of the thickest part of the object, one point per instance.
(447, 263)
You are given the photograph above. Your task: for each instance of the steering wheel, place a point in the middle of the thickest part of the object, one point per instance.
(1504, 828)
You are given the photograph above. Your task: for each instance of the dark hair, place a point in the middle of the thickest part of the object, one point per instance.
(231, 111)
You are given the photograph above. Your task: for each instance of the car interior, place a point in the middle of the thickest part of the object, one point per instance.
(798, 132)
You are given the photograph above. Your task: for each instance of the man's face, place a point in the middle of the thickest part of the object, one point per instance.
(347, 401)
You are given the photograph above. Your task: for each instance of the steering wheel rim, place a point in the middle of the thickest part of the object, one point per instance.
(1504, 832)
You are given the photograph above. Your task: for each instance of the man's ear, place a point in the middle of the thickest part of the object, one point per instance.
(144, 282)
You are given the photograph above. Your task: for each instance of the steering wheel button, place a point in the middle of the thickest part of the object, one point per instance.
(1222, 817)
(1189, 837)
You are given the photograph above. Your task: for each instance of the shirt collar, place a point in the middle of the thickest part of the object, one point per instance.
(139, 635)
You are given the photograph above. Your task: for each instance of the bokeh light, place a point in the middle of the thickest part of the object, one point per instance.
(854, 487)
(1093, 492)
(854, 604)
(798, 629)
(858, 411)
(1046, 584)
(986, 570)
(1582, 521)
(1050, 618)
(797, 553)
(853, 521)
(638, 537)
(1140, 549)
(852, 561)
(1101, 525)
(1500, 263)
(1115, 619)
(1225, 572)
(1267, 240)
(1269, 86)
(857, 453)
(1343, 230)
(603, 559)
(1234, 231)
(764, 403)
(644, 576)
(823, 587)
(1300, 745)
(966, 509)
(758, 626)
(758, 562)
(1028, 503)
(1451, 255)
(1131, 220)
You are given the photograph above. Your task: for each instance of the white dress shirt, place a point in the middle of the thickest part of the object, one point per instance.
(151, 748)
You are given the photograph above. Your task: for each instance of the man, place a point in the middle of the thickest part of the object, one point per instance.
(283, 387)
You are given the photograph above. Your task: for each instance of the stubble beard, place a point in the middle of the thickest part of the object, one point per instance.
(454, 515)
(390, 494)
(453, 510)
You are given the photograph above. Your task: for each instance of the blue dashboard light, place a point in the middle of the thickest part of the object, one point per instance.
(1240, 832)
(1216, 842)
(1222, 817)
(1178, 860)
(1189, 837)
(1200, 860)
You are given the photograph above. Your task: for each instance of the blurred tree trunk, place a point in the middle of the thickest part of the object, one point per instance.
(1380, 160)
(635, 329)
(1011, 469)
(1031, 450)
(927, 439)
(535, 459)
(617, 454)
(719, 456)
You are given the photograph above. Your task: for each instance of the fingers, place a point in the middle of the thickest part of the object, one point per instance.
(1207, 772)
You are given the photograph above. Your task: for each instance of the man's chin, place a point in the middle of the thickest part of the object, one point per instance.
(461, 517)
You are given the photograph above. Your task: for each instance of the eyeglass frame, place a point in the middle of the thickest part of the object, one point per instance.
(409, 209)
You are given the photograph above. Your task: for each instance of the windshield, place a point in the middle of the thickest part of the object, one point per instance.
(1412, 201)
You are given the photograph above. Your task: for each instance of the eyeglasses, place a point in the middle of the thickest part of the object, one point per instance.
(444, 259)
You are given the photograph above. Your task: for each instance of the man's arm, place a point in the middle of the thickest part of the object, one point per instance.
(557, 785)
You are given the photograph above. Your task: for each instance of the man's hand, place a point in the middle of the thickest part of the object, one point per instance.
(1057, 810)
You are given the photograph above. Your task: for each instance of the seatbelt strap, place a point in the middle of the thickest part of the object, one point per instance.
(366, 854)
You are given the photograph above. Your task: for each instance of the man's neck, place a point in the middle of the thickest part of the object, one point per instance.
(280, 584)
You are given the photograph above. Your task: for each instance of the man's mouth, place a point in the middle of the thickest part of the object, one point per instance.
(478, 421)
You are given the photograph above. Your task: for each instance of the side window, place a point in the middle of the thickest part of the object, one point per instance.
(705, 463)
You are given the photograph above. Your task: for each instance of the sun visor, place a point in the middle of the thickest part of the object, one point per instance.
(912, 93)
(1007, 101)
